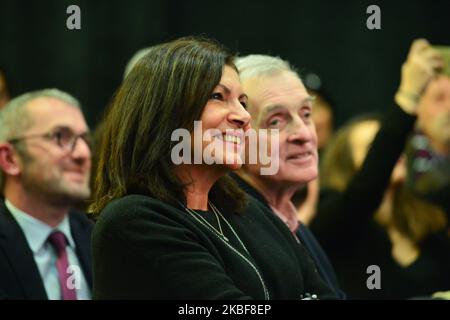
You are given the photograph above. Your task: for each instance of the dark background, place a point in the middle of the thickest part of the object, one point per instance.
(359, 67)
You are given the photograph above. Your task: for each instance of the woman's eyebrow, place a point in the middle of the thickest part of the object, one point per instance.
(224, 87)
(228, 91)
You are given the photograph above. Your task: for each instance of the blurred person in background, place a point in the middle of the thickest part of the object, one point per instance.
(5, 90)
(135, 59)
(404, 236)
(323, 118)
(365, 216)
(428, 152)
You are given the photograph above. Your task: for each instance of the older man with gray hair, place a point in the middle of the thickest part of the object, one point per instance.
(278, 100)
(45, 161)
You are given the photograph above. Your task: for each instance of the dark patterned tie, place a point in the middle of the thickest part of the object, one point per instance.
(58, 240)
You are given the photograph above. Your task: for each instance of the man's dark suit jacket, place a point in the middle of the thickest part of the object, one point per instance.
(19, 274)
(307, 239)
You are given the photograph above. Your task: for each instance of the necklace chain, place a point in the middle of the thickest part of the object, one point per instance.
(215, 211)
(221, 235)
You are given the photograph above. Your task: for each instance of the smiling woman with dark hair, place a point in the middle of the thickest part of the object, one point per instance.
(185, 231)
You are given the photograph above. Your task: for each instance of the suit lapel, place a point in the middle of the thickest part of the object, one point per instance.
(81, 233)
(20, 256)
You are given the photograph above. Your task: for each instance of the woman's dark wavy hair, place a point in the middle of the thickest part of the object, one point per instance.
(166, 90)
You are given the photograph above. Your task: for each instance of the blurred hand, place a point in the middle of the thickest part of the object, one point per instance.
(421, 65)
(445, 295)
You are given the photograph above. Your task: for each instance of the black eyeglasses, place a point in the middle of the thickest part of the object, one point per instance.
(64, 137)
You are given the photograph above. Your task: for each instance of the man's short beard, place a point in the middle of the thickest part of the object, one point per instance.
(55, 192)
(63, 199)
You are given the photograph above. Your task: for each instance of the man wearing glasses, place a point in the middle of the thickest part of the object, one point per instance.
(45, 162)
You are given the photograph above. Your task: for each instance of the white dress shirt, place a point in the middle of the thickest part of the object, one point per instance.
(45, 256)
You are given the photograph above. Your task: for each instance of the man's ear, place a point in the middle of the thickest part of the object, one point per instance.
(9, 160)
